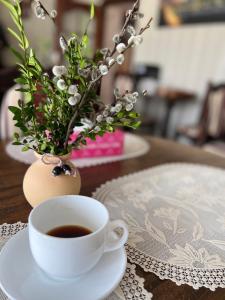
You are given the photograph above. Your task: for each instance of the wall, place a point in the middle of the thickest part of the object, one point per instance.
(37, 30)
(190, 55)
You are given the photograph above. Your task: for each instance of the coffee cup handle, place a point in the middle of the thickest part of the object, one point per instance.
(113, 242)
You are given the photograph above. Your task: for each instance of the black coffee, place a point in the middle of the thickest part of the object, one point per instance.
(69, 231)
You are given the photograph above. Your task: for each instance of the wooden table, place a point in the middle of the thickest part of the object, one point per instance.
(13, 206)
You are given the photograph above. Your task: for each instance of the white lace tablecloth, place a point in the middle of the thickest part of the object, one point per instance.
(131, 287)
(176, 218)
(134, 146)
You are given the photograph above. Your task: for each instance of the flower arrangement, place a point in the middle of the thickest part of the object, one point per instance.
(70, 93)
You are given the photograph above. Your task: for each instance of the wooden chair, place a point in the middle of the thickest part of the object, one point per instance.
(211, 125)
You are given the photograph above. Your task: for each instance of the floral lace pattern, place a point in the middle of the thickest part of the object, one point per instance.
(176, 219)
(131, 286)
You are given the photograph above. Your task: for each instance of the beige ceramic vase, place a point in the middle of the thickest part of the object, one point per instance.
(39, 184)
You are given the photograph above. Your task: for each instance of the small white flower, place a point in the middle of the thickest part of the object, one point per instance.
(144, 93)
(77, 96)
(61, 84)
(120, 59)
(117, 93)
(111, 62)
(87, 122)
(109, 120)
(131, 40)
(135, 40)
(99, 118)
(116, 38)
(59, 70)
(55, 79)
(131, 30)
(104, 51)
(121, 48)
(129, 98)
(112, 109)
(63, 43)
(97, 128)
(53, 14)
(39, 11)
(135, 97)
(118, 107)
(136, 94)
(138, 40)
(129, 107)
(138, 16)
(72, 101)
(72, 89)
(103, 69)
(105, 113)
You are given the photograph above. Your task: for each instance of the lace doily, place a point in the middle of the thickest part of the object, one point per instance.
(176, 218)
(134, 146)
(131, 287)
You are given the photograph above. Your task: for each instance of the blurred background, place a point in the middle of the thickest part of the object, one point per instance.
(181, 62)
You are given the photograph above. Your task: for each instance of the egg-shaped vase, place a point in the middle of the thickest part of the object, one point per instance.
(39, 183)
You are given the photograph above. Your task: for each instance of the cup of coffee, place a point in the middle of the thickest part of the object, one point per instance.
(69, 234)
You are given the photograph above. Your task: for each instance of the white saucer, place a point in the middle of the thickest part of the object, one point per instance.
(134, 146)
(21, 279)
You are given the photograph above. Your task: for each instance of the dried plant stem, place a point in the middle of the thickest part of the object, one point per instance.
(82, 101)
(92, 83)
(142, 30)
(126, 23)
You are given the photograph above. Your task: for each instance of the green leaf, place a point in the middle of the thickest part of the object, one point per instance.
(15, 35)
(83, 142)
(22, 90)
(101, 133)
(78, 124)
(16, 143)
(135, 125)
(21, 81)
(43, 147)
(121, 114)
(15, 110)
(16, 135)
(134, 115)
(14, 18)
(85, 40)
(25, 148)
(92, 11)
(18, 8)
(8, 5)
(92, 136)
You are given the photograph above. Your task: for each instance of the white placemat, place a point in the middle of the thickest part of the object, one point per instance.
(131, 287)
(176, 218)
(134, 146)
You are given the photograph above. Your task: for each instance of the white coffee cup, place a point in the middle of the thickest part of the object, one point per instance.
(65, 258)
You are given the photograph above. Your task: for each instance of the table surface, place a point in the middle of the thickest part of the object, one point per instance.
(173, 95)
(13, 206)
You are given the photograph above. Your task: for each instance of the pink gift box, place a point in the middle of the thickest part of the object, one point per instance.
(110, 144)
